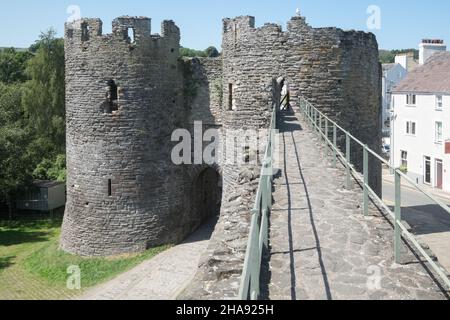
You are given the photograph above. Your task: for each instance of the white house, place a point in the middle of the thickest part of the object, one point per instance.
(407, 61)
(420, 141)
(393, 73)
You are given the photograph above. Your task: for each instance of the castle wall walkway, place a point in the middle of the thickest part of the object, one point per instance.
(322, 247)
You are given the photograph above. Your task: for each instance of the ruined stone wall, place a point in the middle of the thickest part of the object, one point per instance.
(338, 71)
(203, 88)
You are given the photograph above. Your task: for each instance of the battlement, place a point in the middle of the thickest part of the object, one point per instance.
(242, 23)
(125, 29)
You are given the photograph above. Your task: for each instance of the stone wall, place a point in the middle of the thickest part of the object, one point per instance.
(338, 71)
(203, 83)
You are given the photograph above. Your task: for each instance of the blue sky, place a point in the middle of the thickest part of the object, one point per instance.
(403, 22)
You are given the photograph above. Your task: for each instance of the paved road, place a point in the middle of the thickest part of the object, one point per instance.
(322, 247)
(429, 222)
(162, 278)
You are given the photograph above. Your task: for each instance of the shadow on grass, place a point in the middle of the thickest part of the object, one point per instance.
(21, 231)
(15, 237)
(5, 262)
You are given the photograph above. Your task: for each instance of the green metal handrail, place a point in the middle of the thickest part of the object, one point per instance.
(259, 228)
(321, 124)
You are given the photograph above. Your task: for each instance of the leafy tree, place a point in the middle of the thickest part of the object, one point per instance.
(44, 94)
(51, 170)
(212, 52)
(15, 162)
(186, 52)
(12, 65)
(32, 115)
(388, 56)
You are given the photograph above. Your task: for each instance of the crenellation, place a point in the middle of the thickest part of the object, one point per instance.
(129, 34)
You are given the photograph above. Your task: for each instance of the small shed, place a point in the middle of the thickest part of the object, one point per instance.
(42, 196)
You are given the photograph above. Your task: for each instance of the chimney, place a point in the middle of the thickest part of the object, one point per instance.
(402, 59)
(428, 47)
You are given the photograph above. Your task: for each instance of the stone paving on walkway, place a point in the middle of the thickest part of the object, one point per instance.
(163, 277)
(322, 247)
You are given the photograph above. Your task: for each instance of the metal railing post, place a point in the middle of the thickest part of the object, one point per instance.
(326, 137)
(320, 126)
(398, 217)
(315, 120)
(348, 162)
(366, 181)
(334, 145)
(318, 122)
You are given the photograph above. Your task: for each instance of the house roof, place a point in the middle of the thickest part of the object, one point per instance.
(432, 77)
(388, 66)
(46, 184)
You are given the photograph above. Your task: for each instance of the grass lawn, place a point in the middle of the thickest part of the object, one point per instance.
(32, 267)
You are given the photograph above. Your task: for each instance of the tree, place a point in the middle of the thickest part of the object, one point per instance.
(388, 56)
(12, 65)
(212, 52)
(32, 115)
(44, 94)
(51, 170)
(191, 53)
(15, 164)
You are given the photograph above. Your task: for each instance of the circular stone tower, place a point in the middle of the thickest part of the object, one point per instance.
(124, 98)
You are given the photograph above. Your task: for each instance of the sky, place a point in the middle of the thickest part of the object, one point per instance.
(402, 23)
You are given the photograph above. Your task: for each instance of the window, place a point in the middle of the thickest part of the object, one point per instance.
(230, 96)
(411, 99)
(85, 32)
(109, 188)
(131, 35)
(438, 134)
(439, 102)
(404, 158)
(411, 128)
(113, 96)
(427, 170)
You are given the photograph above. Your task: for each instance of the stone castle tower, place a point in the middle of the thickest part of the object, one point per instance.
(124, 99)
(128, 91)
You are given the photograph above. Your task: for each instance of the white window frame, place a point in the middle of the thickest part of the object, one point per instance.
(439, 102)
(438, 136)
(411, 100)
(404, 160)
(410, 125)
